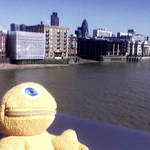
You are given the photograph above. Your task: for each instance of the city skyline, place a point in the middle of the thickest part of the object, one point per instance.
(114, 15)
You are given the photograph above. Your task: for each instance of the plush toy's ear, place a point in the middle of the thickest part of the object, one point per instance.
(2, 113)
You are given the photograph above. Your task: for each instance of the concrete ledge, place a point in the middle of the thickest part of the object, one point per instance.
(114, 58)
(101, 136)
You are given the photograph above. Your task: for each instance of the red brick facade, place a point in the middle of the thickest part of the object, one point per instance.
(2, 45)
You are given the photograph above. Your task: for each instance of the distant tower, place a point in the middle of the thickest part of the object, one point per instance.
(54, 19)
(84, 28)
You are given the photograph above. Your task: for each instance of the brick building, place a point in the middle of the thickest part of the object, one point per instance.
(56, 39)
(2, 44)
(72, 45)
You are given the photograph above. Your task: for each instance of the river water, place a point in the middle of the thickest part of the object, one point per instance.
(117, 93)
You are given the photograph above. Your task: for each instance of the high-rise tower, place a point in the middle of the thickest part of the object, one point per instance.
(54, 19)
(85, 30)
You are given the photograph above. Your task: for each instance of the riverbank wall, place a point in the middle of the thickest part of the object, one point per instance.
(6, 65)
(114, 59)
(28, 66)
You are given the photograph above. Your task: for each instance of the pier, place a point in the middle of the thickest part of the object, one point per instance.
(114, 59)
(134, 58)
(122, 58)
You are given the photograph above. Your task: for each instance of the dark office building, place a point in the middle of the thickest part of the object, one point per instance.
(14, 27)
(54, 19)
(22, 27)
(35, 28)
(95, 49)
(91, 48)
(78, 32)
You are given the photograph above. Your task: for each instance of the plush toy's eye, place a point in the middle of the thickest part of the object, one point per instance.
(30, 91)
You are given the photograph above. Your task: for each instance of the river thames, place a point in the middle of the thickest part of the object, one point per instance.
(117, 93)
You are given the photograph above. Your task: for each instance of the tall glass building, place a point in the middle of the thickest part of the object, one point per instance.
(83, 31)
(84, 28)
(54, 19)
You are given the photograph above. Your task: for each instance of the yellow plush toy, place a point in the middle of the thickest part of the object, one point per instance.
(26, 111)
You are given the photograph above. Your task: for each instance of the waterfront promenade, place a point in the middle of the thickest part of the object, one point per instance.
(8, 66)
(27, 66)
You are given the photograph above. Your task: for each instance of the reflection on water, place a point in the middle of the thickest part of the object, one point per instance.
(117, 93)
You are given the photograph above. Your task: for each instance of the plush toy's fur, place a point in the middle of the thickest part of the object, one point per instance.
(26, 111)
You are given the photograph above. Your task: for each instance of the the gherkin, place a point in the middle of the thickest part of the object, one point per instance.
(84, 28)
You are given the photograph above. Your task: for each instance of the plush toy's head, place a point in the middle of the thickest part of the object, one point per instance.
(27, 109)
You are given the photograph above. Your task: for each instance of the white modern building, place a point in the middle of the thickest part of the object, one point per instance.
(138, 37)
(146, 48)
(102, 33)
(26, 45)
(124, 34)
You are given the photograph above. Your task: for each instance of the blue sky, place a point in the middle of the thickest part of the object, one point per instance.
(114, 15)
